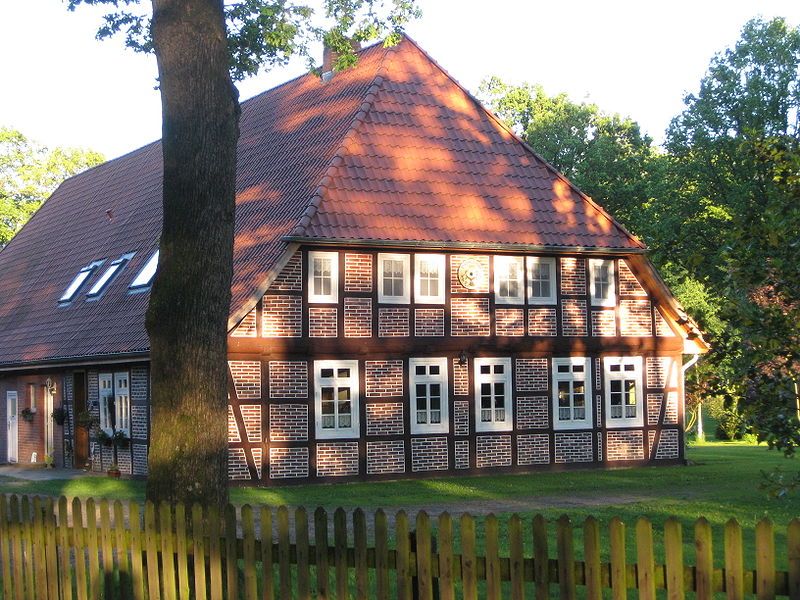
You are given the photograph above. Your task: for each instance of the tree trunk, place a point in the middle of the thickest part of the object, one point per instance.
(189, 302)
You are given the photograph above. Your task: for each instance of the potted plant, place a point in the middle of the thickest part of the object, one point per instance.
(104, 438)
(28, 414)
(59, 415)
(49, 461)
(85, 420)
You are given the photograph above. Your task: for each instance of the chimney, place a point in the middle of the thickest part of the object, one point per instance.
(330, 56)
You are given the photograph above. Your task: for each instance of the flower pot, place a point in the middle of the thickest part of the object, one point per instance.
(115, 473)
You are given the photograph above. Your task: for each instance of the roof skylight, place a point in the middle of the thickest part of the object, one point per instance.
(145, 276)
(80, 279)
(113, 269)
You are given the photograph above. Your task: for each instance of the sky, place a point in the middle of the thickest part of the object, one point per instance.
(634, 57)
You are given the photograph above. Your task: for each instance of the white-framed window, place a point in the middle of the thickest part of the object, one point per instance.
(509, 280)
(601, 282)
(623, 382)
(494, 409)
(429, 276)
(572, 393)
(115, 402)
(145, 276)
(541, 279)
(429, 399)
(109, 274)
(77, 283)
(323, 277)
(336, 398)
(394, 281)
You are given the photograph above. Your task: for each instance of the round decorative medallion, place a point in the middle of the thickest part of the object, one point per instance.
(470, 273)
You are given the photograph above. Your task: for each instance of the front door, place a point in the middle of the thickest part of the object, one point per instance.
(81, 452)
(12, 432)
(48, 420)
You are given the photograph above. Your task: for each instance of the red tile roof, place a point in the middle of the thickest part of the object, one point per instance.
(391, 150)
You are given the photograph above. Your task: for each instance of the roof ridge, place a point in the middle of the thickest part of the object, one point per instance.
(527, 146)
(338, 156)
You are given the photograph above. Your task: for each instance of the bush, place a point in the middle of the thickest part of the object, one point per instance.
(731, 425)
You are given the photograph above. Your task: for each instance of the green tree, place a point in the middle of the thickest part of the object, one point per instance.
(202, 47)
(29, 172)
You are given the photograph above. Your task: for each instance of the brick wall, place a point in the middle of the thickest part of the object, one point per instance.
(337, 459)
(393, 322)
(237, 464)
(532, 374)
(461, 417)
(604, 323)
(246, 376)
(288, 422)
(469, 317)
(290, 278)
(357, 272)
(384, 378)
(542, 322)
(358, 317)
(247, 326)
(533, 412)
(573, 276)
(671, 412)
(460, 378)
(624, 445)
(288, 379)
(482, 281)
(139, 458)
(628, 284)
(668, 445)
(462, 454)
(573, 447)
(282, 316)
(654, 408)
(429, 322)
(634, 318)
(288, 463)
(533, 449)
(492, 451)
(429, 454)
(233, 429)
(258, 456)
(384, 418)
(662, 328)
(386, 457)
(573, 317)
(323, 322)
(510, 321)
(657, 368)
(251, 416)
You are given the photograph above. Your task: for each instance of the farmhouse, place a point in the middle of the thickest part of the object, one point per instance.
(416, 292)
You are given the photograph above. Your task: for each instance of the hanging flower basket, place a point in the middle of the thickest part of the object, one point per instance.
(28, 414)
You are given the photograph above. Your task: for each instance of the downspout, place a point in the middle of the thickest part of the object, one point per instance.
(686, 367)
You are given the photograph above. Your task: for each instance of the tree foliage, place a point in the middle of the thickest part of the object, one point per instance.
(29, 173)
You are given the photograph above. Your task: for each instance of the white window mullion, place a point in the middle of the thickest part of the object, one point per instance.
(623, 391)
(572, 393)
(336, 398)
(429, 395)
(494, 408)
(541, 280)
(602, 282)
(323, 277)
(394, 278)
(509, 280)
(429, 277)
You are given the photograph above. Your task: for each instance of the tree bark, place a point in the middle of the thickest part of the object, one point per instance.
(189, 303)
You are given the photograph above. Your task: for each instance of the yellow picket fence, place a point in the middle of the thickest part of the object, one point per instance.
(89, 550)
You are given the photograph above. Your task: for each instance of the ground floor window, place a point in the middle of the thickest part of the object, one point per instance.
(572, 408)
(623, 382)
(115, 402)
(494, 409)
(336, 398)
(429, 398)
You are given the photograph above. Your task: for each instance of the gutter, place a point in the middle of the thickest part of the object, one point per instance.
(78, 362)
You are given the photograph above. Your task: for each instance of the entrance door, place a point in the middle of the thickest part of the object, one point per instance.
(81, 435)
(12, 432)
(48, 420)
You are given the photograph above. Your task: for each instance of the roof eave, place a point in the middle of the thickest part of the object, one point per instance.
(76, 361)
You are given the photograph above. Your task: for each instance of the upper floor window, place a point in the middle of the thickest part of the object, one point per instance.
(509, 280)
(429, 277)
(145, 276)
(394, 278)
(336, 398)
(77, 283)
(572, 407)
(323, 277)
(429, 401)
(108, 275)
(541, 280)
(115, 402)
(601, 282)
(494, 410)
(623, 380)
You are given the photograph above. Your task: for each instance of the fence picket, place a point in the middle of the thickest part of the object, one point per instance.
(645, 569)
(267, 559)
(673, 552)
(65, 559)
(734, 561)
(321, 553)
(469, 561)
(591, 554)
(249, 553)
(121, 547)
(182, 551)
(424, 553)
(107, 549)
(151, 554)
(360, 546)
(231, 558)
(5, 552)
(705, 561)
(541, 560)
(381, 556)
(214, 552)
(446, 574)
(793, 542)
(80, 545)
(340, 553)
(137, 576)
(494, 585)
(566, 558)
(199, 552)
(284, 563)
(765, 560)
(165, 531)
(16, 548)
(27, 547)
(402, 557)
(619, 570)
(39, 546)
(92, 547)
(301, 543)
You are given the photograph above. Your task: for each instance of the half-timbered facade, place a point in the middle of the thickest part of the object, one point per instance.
(415, 293)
